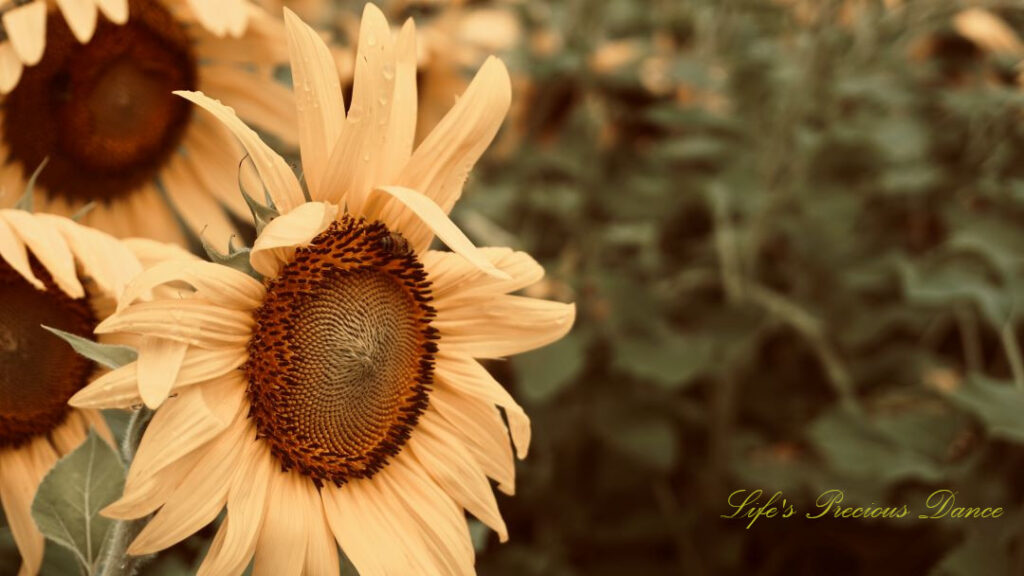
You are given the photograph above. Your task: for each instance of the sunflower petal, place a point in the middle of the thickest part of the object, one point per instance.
(431, 214)
(280, 181)
(276, 245)
(26, 28)
(318, 99)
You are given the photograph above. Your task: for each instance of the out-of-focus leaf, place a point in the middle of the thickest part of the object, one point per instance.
(998, 405)
(544, 372)
(856, 447)
(651, 440)
(67, 504)
(670, 360)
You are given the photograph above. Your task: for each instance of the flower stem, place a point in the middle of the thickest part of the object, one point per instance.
(116, 561)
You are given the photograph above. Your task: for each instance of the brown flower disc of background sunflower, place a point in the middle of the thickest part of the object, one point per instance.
(39, 372)
(103, 112)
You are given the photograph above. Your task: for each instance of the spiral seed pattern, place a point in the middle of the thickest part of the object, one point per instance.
(342, 357)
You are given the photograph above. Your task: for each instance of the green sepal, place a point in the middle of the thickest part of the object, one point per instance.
(112, 356)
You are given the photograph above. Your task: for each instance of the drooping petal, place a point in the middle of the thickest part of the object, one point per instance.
(10, 68)
(115, 10)
(49, 247)
(158, 365)
(318, 100)
(479, 426)
(430, 213)
(12, 250)
(281, 183)
(276, 245)
(454, 281)
(184, 424)
(21, 470)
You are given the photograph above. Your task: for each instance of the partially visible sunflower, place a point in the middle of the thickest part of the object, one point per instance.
(56, 273)
(338, 400)
(100, 108)
(23, 30)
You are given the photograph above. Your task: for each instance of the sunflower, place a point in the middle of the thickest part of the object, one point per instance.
(56, 273)
(340, 399)
(99, 108)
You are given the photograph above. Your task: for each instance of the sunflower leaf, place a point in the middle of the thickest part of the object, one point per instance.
(68, 503)
(237, 258)
(110, 355)
(27, 200)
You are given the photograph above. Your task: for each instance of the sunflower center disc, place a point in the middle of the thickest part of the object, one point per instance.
(38, 371)
(103, 112)
(342, 357)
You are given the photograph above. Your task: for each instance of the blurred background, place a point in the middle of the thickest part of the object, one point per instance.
(795, 234)
(794, 230)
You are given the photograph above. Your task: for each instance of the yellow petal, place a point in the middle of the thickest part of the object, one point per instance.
(49, 247)
(454, 469)
(479, 426)
(318, 100)
(440, 165)
(10, 68)
(504, 325)
(12, 250)
(235, 542)
(356, 163)
(467, 376)
(26, 28)
(115, 10)
(192, 321)
(277, 176)
(218, 284)
(291, 502)
(199, 497)
(158, 365)
(432, 215)
(119, 388)
(257, 98)
(276, 245)
(80, 16)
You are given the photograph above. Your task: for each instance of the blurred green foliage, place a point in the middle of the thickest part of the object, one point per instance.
(796, 269)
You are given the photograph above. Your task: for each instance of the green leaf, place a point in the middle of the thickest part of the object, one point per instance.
(112, 356)
(998, 405)
(27, 199)
(544, 372)
(670, 360)
(856, 447)
(651, 440)
(67, 505)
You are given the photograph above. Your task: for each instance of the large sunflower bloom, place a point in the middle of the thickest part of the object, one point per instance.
(56, 273)
(99, 106)
(340, 399)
